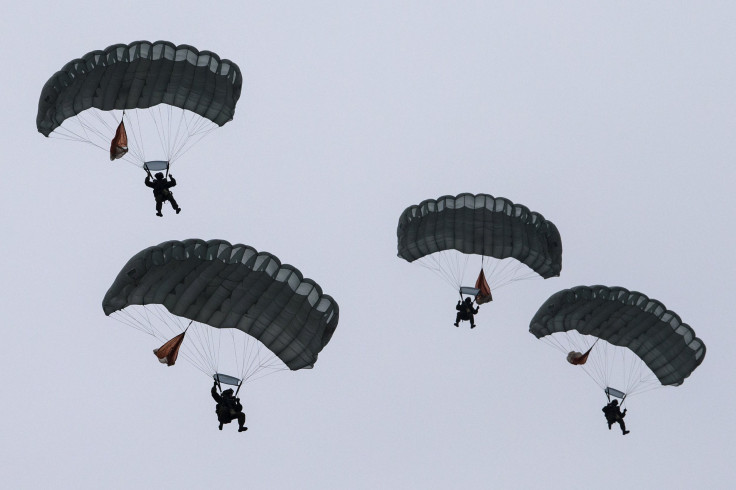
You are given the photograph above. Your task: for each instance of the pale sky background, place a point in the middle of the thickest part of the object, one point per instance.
(612, 119)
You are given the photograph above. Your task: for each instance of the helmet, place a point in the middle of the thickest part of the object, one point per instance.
(228, 392)
(159, 175)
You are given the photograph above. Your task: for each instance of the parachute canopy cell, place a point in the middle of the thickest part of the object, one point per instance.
(138, 76)
(231, 286)
(484, 225)
(626, 319)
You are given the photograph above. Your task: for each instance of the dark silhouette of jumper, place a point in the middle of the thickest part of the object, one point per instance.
(614, 415)
(161, 191)
(228, 408)
(465, 311)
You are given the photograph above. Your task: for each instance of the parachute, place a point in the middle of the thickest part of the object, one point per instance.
(631, 343)
(243, 307)
(514, 242)
(171, 96)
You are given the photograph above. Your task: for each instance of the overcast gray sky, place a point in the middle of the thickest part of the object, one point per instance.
(614, 120)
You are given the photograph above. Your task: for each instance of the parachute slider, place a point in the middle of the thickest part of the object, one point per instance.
(225, 379)
(469, 291)
(156, 166)
(615, 393)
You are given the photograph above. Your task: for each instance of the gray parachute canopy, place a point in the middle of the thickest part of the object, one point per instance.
(138, 76)
(484, 225)
(626, 319)
(231, 286)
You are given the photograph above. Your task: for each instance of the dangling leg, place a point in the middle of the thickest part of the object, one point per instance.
(173, 204)
(158, 207)
(623, 426)
(457, 319)
(241, 422)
